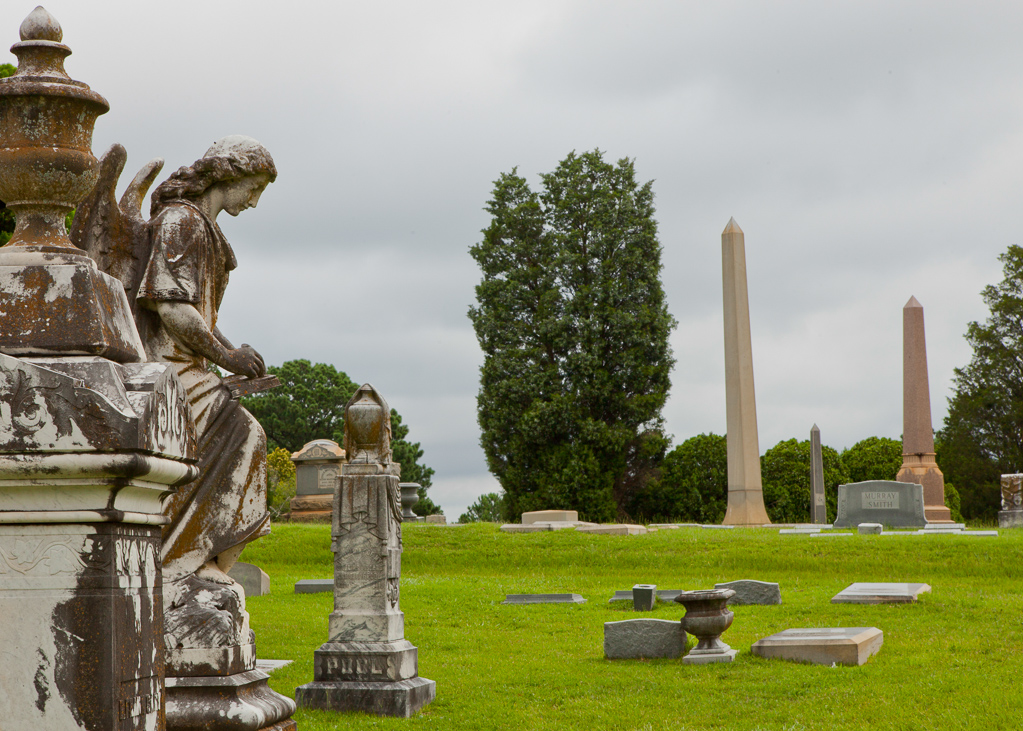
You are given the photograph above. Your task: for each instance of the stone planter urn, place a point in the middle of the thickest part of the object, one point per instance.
(409, 497)
(707, 617)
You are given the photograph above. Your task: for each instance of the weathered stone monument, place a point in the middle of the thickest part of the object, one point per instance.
(1011, 514)
(92, 439)
(822, 645)
(819, 505)
(367, 664)
(745, 490)
(895, 504)
(317, 467)
(918, 458)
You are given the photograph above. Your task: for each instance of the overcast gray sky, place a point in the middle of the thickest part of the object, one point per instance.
(870, 151)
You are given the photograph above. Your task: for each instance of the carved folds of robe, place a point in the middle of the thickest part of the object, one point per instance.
(190, 262)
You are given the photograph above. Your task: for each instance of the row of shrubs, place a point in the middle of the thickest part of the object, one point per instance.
(692, 486)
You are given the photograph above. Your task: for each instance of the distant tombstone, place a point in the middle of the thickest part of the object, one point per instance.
(543, 599)
(1011, 514)
(822, 645)
(749, 591)
(546, 516)
(870, 529)
(253, 579)
(880, 593)
(437, 519)
(894, 504)
(614, 529)
(314, 586)
(643, 638)
(317, 466)
(819, 508)
(643, 597)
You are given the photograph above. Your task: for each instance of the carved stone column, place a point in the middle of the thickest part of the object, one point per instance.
(367, 664)
(91, 439)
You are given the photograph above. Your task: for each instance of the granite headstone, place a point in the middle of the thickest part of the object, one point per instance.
(893, 504)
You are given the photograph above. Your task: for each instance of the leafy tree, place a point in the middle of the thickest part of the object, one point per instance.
(573, 325)
(785, 472)
(488, 509)
(693, 484)
(873, 458)
(309, 404)
(280, 479)
(982, 437)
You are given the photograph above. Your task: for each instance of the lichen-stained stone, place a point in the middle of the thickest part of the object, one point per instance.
(643, 638)
(750, 591)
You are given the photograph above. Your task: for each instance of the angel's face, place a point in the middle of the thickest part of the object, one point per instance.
(243, 193)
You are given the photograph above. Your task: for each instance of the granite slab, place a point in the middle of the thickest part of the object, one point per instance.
(543, 599)
(314, 586)
(880, 593)
(643, 638)
(749, 591)
(822, 646)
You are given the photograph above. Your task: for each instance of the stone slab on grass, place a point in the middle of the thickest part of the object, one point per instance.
(663, 595)
(643, 597)
(643, 638)
(945, 526)
(822, 646)
(749, 591)
(798, 531)
(314, 586)
(870, 529)
(268, 666)
(619, 529)
(543, 599)
(880, 593)
(548, 516)
(253, 579)
(537, 527)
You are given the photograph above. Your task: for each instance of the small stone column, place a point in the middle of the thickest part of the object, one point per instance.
(745, 490)
(1011, 514)
(367, 664)
(918, 458)
(317, 466)
(819, 507)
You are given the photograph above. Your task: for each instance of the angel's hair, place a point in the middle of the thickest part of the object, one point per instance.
(230, 158)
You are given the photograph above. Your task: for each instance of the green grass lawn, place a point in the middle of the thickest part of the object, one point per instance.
(954, 660)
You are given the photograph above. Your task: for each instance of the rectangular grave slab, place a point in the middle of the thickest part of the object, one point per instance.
(945, 526)
(643, 638)
(894, 504)
(543, 599)
(870, 529)
(643, 597)
(622, 529)
(880, 593)
(537, 527)
(749, 591)
(547, 516)
(314, 586)
(663, 595)
(798, 531)
(822, 646)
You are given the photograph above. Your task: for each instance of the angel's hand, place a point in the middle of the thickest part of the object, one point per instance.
(246, 361)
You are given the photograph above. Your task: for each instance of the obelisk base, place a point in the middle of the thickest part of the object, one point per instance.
(372, 677)
(746, 507)
(923, 470)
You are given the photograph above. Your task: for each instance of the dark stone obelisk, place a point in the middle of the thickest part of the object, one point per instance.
(918, 458)
(818, 507)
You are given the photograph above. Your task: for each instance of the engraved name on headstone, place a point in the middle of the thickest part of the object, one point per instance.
(893, 504)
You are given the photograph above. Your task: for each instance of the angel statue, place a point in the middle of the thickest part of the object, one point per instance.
(175, 267)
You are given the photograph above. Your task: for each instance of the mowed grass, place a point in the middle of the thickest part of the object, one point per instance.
(954, 660)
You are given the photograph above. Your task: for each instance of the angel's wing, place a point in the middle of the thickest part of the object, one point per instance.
(116, 236)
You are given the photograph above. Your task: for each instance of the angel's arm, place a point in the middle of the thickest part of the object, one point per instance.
(186, 324)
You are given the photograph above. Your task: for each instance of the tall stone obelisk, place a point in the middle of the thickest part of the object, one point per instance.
(918, 463)
(745, 490)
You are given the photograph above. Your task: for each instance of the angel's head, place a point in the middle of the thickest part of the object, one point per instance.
(238, 166)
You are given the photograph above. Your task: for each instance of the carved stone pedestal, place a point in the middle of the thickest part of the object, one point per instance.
(245, 699)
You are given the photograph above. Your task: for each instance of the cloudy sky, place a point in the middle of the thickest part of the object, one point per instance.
(870, 151)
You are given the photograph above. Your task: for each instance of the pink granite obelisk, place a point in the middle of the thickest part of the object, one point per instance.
(918, 462)
(745, 490)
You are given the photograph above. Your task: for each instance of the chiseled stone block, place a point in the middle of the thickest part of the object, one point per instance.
(880, 593)
(643, 638)
(822, 646)
(749, 591)
(643, 597)
(548, 516)
(870, 529)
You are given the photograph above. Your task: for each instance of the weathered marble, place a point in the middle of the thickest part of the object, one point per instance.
(643, 638)
(745, 489)
(366, 664)
(822, 646)
(750, 591)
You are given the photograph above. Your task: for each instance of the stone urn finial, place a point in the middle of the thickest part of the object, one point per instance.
(367, 428)
(46, 161)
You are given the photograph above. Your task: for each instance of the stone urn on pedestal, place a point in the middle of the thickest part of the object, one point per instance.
(409, 497)
(707, 617)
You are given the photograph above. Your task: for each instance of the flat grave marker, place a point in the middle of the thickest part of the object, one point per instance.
(643, 638)
(880, 593)
(543, 599)
(822, 646)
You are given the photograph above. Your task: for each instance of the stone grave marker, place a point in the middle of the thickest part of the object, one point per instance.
(437, 519)
(317, 466)
(880, 593)
(749, 591)
(618, 529)
(822, 646)
(643, 638)
(543, 599)
(547, 516)
(253, 579)
(870, 529)
(894, 504)
(663, 595)
(1011, 514)
(643, 597)
(819, 508)
(313, 586)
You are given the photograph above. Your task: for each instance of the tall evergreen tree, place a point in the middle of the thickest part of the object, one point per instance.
(983, 433)
(574, 329)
